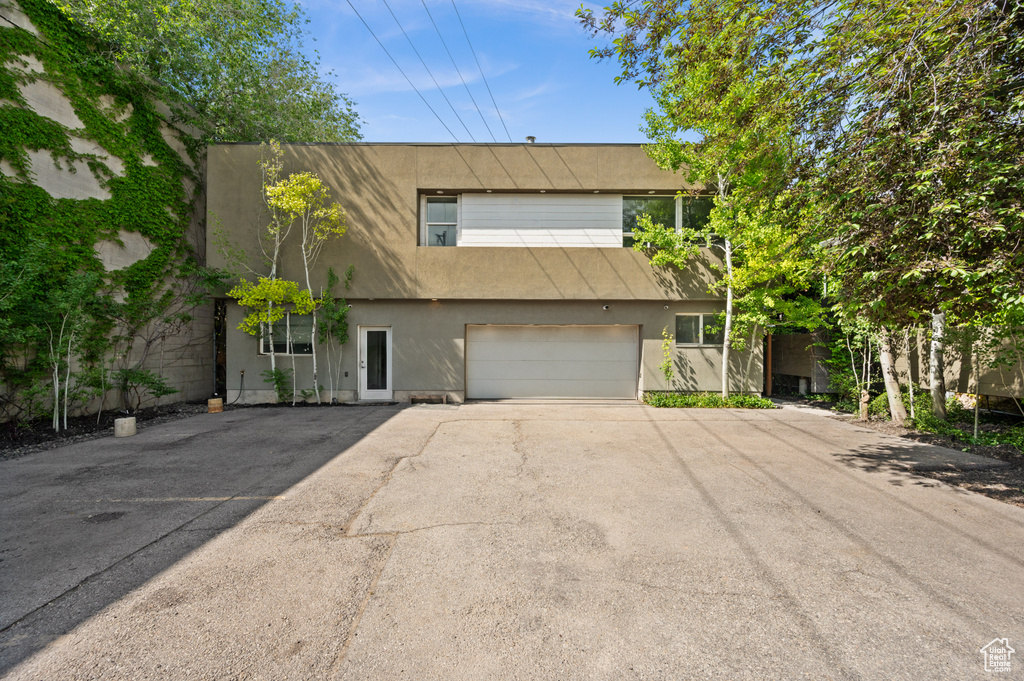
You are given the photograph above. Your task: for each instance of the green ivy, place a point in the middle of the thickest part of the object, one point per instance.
(118, 113)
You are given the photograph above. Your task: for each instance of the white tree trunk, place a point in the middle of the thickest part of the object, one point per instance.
(892, 382)
(330, 372)
(727, 336)
(312, 338)
(291, 351)
(67, 384)
(936, 366)
(56, 397)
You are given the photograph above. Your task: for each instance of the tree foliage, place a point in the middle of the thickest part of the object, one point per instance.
(239, 67)
(899, 126)
(880, 142)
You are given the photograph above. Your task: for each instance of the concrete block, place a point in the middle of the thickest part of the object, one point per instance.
(124, 427)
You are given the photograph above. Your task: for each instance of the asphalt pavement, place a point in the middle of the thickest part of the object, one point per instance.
(503, 541)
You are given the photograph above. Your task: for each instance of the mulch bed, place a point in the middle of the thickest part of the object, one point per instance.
(18, 440)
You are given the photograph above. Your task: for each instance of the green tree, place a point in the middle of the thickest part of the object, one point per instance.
(713, 77)
(266, 301)
(903, 123)
(238, 67)
(303, 197)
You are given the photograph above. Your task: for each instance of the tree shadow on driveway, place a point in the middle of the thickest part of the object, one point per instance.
(86, 524)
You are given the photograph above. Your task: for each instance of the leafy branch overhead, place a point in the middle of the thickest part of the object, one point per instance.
(238, 67)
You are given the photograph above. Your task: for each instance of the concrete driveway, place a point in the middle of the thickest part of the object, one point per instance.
(501, 541)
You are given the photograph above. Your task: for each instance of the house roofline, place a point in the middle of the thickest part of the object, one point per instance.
(436, 144)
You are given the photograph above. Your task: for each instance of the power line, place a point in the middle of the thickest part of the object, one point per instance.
(439, 89)
(466, 33)
(400, 69)
(464, 84)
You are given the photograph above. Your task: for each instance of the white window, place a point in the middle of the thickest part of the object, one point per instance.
(293, 335)
(699, 329)
(441, 221)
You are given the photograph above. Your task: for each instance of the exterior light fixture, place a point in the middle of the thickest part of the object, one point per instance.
(543, 191)
(488, 191)
(651, 192)
(440, 192)
(597, 191)
(606, 307)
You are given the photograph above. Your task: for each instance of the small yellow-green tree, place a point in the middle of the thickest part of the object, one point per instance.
(303, 197)
(265, 303)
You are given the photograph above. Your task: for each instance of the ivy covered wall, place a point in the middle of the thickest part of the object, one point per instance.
(101, 220)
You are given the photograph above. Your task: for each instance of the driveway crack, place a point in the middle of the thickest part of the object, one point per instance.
(387, 479)
(363, 605)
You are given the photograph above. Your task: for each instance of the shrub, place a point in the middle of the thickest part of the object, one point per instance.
(707, 401)
(879, 405)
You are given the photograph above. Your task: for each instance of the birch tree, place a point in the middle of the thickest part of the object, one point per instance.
(304, 198)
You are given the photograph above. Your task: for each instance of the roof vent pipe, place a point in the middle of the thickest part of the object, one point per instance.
(531, 139)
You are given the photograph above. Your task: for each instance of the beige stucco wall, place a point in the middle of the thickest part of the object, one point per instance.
(379, 186)
(1004, 381)
(429, 344)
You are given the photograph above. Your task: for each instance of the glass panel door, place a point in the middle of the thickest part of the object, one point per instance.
(375, 363)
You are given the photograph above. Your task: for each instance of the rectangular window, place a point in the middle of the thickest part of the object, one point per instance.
(699, 329)
(662, 210)
(442, 221)
(293, 335)
(695, 212)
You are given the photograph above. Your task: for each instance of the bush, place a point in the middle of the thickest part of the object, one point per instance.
(879, 405)
(707, 401)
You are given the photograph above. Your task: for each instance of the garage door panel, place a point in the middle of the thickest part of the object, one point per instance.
(550, 333)
(551, 361)
(553, 352)
(556, 370)
(515, 388)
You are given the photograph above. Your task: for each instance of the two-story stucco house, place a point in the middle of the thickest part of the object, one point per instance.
(485, 271)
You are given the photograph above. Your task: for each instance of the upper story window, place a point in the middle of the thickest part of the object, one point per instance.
(442, 221)
(549, 219)
(662, 210)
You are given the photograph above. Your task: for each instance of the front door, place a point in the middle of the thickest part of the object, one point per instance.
(375, 363)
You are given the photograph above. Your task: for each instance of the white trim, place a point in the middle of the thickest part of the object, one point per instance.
(288, 340)
(700, 330)
(365, 394)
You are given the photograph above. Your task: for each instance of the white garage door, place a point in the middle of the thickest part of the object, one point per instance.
(551, 361)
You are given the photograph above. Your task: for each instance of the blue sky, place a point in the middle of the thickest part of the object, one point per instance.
(533, 53)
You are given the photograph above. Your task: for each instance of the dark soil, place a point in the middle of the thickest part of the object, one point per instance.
(1005, 484)
(18, 440)
(37, 436)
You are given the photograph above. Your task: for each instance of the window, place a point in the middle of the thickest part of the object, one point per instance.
(662, 210)
(695, 212)
(698, 329)
(293, 335)
(442, 221)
